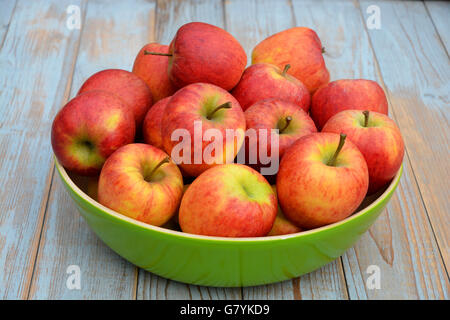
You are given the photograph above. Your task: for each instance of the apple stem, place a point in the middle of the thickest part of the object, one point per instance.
(366, 118)
(288, 120)
(226, 105)
(163, 161)
(323, 49)
(157, 53)
(332, 161)
(286, 68)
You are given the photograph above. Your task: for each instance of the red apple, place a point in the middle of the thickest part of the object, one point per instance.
(264, 81)
(291, 122)
(346, 94)
(281, 224)
(201, 52)
(322, 179)
(141, 182)
(127, 86)
(89, 128)
(195, 111)
(153, 70)
(151, 127)
(299, 47)
(377, 137)
(230, 200)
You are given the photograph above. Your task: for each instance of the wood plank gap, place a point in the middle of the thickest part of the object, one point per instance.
(407, 157)
(435, 28)
(38, 242)
(291, 6)
(224, 15)
(9, 24)
(136, 283)
(345, 279)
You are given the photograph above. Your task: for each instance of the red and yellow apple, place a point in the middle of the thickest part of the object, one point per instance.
(281, 224)
(201, 52)
(127, 86)
(300, 47)
(347, 94)
(265, 81)
(377, 137)
(230, 200)
(323, 178)
(141, 182)
(151, 127)
(153, 70)
(89, 128)
(210, 124)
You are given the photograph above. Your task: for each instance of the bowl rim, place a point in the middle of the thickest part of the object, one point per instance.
(63, 173)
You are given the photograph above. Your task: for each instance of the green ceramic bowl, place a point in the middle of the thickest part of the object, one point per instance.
(224, 262)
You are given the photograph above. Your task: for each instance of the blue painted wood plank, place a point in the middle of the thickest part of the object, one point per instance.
(113, 33)
(35, 59)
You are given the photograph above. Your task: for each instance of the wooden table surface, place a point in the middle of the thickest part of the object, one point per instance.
(43, 63)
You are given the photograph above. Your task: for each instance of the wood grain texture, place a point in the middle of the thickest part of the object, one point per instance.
(6, 14)
(112, 34)
(402, 245)
(418, 89)
(440, 15)
(31, 90)
(389, 244)
(170, 16)
(250, 22)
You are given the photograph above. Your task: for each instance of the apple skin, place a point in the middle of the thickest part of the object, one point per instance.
(230, 200)
(264, 81)
(205, 53)
(123, 186)
(347, 94)
(380, 142)
(153, 70)
(270, 114)
(281, 224)
(192, 103)
(322, 194)
(301, 48)
(127, 86)
(88, 129)
(151, 128)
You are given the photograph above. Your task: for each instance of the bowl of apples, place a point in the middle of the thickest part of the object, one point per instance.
(200, 170)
